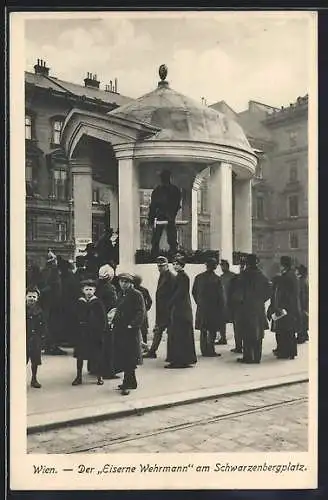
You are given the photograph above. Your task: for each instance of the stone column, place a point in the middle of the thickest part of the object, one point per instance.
(194, 219)
(243, 215)
(82, 196)
(129, 213)
(221, 210)
(113, 197)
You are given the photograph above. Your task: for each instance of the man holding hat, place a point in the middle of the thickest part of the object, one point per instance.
(164, 292)
(207, 292)
(127, 321)
(252, 291)
(164, 206)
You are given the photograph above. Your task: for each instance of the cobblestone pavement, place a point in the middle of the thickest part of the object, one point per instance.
(268, 420)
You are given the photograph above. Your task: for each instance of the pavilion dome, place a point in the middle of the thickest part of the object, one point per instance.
(180, 118)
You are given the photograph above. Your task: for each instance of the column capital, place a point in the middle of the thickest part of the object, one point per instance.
(225, 164)
(124, 151)
(81, 166)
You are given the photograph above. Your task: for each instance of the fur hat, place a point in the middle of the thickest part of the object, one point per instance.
(126, 277)
(33, 289)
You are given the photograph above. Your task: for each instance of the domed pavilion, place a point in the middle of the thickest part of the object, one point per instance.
(163, 129)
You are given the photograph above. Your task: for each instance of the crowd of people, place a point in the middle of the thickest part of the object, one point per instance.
(104, 315)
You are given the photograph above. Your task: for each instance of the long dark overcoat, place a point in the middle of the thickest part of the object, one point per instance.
(127, 322)
(92, 323)
(207, 292)
(108, 296)
(286, 295)
(181, 342)
(304, 303)
(165, 287)
(148, 303)
(227, 279)
(251, 290)
(36, 330)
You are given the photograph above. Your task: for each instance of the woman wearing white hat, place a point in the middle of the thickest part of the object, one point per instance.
(107, 294)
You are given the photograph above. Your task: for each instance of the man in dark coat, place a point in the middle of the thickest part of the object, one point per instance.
(129, 316)
(106, 292)
(148, 303)
(226, 277)
(235, 309)
(207, 292)
(164, 206)
(284, 310)
(89, 338)
(70, 293)
(253, 291)
(180, 337)
(302, 332)
(164, 292)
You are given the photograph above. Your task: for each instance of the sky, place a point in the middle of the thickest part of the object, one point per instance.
(234, 57)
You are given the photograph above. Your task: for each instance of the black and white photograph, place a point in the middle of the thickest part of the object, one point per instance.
(164, 253)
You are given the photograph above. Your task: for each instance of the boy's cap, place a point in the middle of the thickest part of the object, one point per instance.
(88, 282)
(161, 261)
(126, 277)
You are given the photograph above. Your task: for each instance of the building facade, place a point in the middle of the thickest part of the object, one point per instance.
(49, 199)
(280, 187)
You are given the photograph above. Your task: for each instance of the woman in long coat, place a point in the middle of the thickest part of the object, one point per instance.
(129, 316)
(106, 292)
(285, 296)
(181, 343)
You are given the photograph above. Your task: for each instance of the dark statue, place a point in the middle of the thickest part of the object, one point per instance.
(164, 206)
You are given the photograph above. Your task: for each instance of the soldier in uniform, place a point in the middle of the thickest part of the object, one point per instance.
(164, 206)
(164, 292)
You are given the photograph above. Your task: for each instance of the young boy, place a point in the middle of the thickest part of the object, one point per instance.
(148, 303)
(35, 332)
(91, 327)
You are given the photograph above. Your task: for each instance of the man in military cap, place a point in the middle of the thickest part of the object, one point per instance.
(163, 295)
(164, 206)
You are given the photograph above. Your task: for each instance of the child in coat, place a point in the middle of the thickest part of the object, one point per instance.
(91, 326)
(35, 333)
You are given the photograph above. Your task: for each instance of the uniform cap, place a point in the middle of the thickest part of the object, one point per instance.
(88, 282)
(161, 260)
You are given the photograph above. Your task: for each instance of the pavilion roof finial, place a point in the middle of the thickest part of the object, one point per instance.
(162, 71)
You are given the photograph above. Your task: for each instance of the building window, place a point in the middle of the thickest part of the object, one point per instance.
(293, 206)
(260, 242)
(28, 127)
(98, 228)
(293, 241)
(293, 173)
(60, 184)
(61, 231)
(31, 228)
(260, 207)
(292, 138)
(56, 131)
(202, 200)
(96, 195)
(145, 198)
(29, 179)
(259, 170)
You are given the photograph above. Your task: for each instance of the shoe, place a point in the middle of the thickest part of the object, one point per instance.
(236, 351)
(170, 366)
(125, 392)
(222, 342)
(77, 381)
(110, 377)
(150, 355)
(35, 384)
(243, 360)
(100, 381)
(128, 386)
(213, 355)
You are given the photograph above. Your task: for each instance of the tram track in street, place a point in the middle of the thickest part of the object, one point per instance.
(106, 443)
